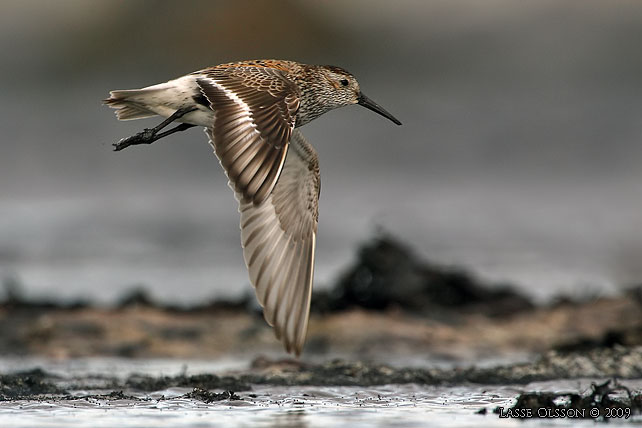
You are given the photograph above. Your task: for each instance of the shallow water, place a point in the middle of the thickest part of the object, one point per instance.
(266, 406)
(391, 405)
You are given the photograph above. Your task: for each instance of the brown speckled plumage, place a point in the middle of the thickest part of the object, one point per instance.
(250, 110)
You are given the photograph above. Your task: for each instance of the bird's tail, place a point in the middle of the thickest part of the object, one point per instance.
(130, 104)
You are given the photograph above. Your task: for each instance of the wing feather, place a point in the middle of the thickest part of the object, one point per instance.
(279, 237)
(254, 115)
(275, 175)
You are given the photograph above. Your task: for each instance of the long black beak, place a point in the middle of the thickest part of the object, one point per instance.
(371, 105)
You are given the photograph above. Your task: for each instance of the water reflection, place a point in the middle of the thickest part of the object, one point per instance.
(274, 407)
(290, 419)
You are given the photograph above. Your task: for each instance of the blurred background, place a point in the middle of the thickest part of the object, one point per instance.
(519, 157)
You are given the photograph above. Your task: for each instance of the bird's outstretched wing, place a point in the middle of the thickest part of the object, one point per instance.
(278, 237)
(255, 113)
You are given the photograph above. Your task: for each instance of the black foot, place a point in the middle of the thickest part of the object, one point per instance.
(149, 135)
(144, 137)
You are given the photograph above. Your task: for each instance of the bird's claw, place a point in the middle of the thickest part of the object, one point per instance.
(144, 137)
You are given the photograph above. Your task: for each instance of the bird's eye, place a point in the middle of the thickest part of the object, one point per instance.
(344, 82)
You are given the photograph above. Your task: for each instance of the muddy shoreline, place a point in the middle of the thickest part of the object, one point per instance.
(618, 362)
(139, 331)
(605, 400)
(388, 307)
(388, 301)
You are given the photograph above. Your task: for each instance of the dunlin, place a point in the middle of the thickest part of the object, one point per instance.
(250, 110)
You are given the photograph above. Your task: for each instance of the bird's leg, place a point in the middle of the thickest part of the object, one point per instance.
(149, 135)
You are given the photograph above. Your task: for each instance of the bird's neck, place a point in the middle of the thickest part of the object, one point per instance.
(315, 97)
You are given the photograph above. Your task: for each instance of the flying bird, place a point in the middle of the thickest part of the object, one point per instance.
(251, 111)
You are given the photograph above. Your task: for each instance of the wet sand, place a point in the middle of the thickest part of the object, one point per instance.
(390, 305)
(148, 332)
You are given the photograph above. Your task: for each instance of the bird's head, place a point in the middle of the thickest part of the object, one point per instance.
(345, 90)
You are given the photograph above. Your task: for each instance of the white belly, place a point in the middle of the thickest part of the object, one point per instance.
(165, 98)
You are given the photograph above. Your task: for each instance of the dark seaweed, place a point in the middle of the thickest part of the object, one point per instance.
(210, 397)
(388, 274)
(599, 400)
(26, 384)
(202, 381)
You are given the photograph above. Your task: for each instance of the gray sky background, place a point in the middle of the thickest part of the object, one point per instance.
(519, 156)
